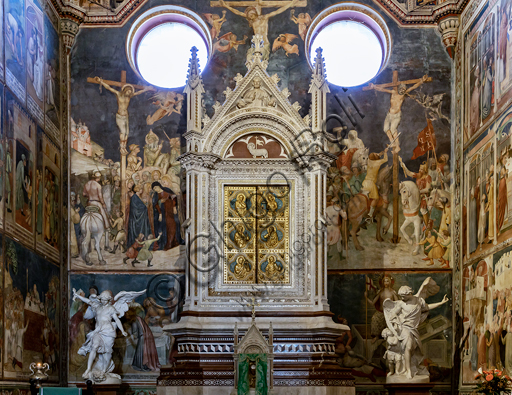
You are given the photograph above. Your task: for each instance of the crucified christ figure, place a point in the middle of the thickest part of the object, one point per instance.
(257, 20)
(398, 92)
(124, 96)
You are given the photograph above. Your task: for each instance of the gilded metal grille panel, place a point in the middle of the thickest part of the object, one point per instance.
(256, 234)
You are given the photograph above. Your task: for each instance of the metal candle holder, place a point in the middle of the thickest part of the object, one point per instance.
(38, 375)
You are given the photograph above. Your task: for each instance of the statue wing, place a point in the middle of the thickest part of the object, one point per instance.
(428, 288)
(123, 299)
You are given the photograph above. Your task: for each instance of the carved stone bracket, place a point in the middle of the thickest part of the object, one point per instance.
(69, 28)
(449, 29)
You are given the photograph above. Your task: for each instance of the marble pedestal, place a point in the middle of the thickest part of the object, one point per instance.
(275, 391)
(408, 388)
(304, 358)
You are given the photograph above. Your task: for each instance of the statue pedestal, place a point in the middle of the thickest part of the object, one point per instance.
(100, 389)
(408, 388)
(402, 379)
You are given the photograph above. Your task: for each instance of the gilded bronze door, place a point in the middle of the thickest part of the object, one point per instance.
(256, 234)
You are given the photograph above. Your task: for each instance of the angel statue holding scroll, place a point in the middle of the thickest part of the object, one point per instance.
(403, 318)
(107, 310)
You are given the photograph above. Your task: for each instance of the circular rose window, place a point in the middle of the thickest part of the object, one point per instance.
(355, 43)
(160, 41)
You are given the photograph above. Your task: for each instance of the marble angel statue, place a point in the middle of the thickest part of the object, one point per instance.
(403, 318)
(107, 310)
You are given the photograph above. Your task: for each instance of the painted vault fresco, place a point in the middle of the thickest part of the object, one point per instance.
(139, 356)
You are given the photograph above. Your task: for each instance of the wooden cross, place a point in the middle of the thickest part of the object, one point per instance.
(124, 152)
(259, 4)
(253, 304)
(119, 84)
(395, 83)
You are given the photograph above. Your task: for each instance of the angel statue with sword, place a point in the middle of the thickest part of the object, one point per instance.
(100, 341)
(403, 318)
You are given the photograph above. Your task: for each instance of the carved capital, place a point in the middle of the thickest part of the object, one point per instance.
(449, 29)
(69, 28)
(198, 161)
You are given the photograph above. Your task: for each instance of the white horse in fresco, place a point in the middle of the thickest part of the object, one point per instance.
(91, 227)
(411, 201)
(360, 159)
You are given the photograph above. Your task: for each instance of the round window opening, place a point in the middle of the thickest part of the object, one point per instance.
(164, 52)
(354, 40)
(159, 45)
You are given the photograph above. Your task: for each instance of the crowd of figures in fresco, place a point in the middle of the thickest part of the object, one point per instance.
(360, 192)
(487, 131)
(32, 187)
(146, 347)
(486, 298)
(488, 189)
(125, 228)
